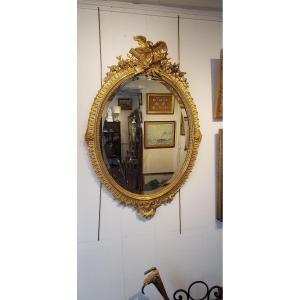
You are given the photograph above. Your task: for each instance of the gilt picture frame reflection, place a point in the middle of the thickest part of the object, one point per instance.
(159, 134)
(160, 104)
(125, 103)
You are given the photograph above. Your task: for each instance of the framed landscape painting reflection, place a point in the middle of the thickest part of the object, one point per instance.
(159, 134)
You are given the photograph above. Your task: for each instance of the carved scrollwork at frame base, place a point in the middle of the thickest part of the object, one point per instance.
(150, 60)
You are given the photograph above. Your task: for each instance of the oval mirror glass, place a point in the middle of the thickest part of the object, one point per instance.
(144, 135)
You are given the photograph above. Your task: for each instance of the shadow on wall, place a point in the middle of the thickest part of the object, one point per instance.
(139, 296)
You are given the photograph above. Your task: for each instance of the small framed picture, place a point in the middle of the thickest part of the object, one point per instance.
(160, 104)
(159, 134)
(218, 113)
(125, 103)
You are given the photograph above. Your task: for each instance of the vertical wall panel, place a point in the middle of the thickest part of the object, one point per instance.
(201, 42)
(139, 243)
(88, 60)
(100, 273)
(117, 34)
(119, 28)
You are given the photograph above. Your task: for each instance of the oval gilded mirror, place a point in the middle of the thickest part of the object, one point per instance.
(143, 131)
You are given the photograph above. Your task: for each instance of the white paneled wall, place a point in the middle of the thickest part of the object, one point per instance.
(88, 85)
(113, 268)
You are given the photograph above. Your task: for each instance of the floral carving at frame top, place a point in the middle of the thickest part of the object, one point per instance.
(147, 59)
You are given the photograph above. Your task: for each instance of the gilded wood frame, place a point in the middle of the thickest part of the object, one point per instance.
(149, 60)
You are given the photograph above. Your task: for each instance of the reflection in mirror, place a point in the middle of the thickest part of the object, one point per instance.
(144, 135)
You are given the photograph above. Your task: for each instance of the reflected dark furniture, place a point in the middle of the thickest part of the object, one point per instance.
(111, 139)
(134, 157)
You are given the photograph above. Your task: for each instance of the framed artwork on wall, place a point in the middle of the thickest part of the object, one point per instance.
(218, 113)
(125, 103)
(220, 177)
(160, 104)
(159, 134)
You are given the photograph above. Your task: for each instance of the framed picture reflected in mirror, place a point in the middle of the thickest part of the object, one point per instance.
(125, 103)
(160, 104)
(159, 134)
